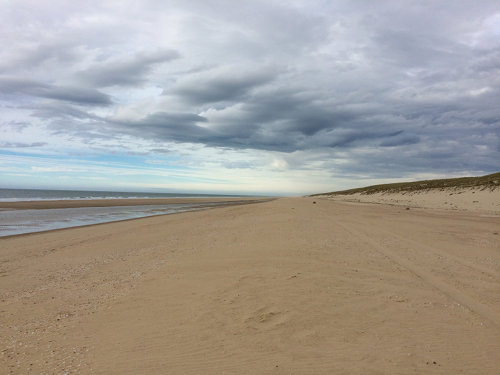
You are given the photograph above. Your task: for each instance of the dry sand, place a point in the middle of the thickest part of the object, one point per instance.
(479, 200)
(282, 287)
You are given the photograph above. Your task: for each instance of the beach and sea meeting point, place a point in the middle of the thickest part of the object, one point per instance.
(259, 187)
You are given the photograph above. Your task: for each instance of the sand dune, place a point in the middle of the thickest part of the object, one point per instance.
(473, 194)
(281, 287)
(477, 200)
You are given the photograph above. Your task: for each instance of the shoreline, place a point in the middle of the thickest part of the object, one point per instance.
(116, 202)
(109, 222)
(62, 221)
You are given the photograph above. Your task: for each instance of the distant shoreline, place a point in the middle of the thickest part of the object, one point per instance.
(115, 202)
(21, 222)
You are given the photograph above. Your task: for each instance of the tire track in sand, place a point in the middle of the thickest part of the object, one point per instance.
(416, 245)
(453, 293)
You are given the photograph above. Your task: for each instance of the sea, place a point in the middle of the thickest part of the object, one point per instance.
(15, 195)
(13, 222)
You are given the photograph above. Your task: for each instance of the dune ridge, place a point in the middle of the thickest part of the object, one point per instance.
(474, 194)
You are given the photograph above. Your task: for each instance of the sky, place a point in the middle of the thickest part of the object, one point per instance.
(251, 97)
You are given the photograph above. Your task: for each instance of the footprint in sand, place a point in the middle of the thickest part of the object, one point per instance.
(266, 317)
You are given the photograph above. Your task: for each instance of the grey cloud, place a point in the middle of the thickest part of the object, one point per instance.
(54, 110)
(180, 127)
(285, 133)
(15, 126)
(21, 145)
(229, 85)
(487, 61)
(165, 151)
(416, 160)
(407, 49)
(78, 95)
(286, 120)
(29, 57)
(185, 127)
(400, 141)
(125, 71)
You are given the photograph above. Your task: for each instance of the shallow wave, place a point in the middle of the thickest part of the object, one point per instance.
(29, 221)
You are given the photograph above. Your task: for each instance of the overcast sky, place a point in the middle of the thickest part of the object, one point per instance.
(273, 97)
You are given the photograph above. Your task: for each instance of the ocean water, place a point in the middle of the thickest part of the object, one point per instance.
(14, 222)
(28, 221)
(13, 195)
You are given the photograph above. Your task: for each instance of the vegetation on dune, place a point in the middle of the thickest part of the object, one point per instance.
(491, 182)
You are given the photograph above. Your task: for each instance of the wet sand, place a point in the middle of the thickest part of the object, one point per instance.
(286, 286)
(37, 216)
(75, 203)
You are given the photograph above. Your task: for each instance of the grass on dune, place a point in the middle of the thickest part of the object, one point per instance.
(491, 182)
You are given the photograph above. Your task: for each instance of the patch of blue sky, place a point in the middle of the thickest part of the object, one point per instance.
(114, 159)
(104, 171)
(128, 160)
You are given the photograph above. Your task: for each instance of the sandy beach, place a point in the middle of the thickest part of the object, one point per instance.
(289, 286)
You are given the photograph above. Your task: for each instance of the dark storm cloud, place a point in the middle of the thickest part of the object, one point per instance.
(78, 95)
(126, 71)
